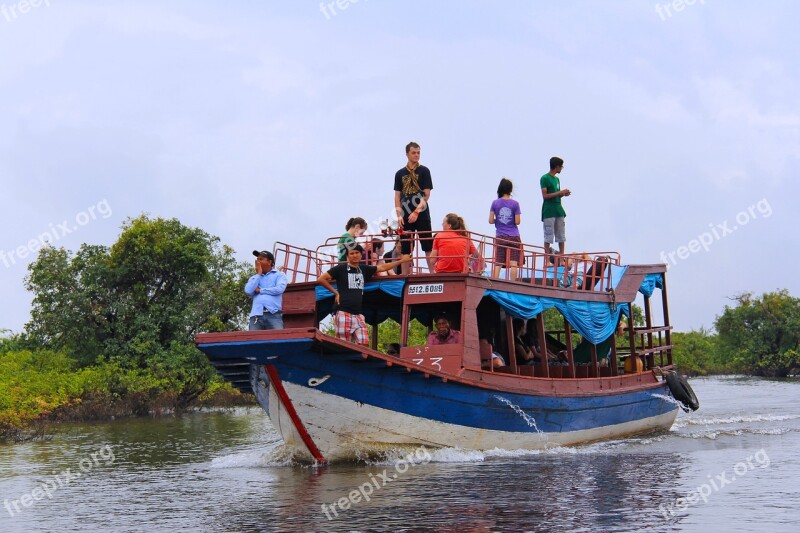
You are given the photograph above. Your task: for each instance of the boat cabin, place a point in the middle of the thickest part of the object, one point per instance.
(590, 332)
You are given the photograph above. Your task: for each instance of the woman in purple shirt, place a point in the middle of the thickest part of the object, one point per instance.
(505, 215)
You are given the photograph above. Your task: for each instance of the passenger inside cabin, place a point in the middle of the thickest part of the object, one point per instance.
(393, 349)
(526, 353)
(443, 333)
(489, 358)
(554, 347)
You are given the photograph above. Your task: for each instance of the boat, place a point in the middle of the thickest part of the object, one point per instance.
(331, 399)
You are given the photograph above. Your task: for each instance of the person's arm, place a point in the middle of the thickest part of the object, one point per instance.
(491, 217)
(389, 266)
(520, 352)
(434, 257)
(325, 281)
(251, 288)
(547, 195)
(420, 208)
(278, 288)
(517, 218)
(398, 209)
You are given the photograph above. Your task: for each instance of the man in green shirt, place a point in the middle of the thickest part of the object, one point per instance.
(552, 213)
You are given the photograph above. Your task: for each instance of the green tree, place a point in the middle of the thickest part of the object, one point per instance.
(139, 302)
(761, 335)
(696, 353)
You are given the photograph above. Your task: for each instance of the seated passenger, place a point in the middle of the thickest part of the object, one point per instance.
(489, 358)
(525, 353)
(374, 255)
(393, 349)
(443, 334)
(452, 248)
(394, 255)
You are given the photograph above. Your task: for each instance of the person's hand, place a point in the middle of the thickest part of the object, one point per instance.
(282, 268)
(258, 266)
(566, 192)
(413, 217)
(336, 296)
(258, 290)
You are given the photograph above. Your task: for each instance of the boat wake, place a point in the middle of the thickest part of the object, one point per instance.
(277, 454)
(702, 427)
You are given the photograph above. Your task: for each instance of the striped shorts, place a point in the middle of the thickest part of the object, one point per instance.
(351, 328)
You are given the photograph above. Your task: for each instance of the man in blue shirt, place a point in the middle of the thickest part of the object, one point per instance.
(266, 289)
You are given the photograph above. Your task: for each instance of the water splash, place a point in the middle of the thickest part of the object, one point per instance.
(525, 416)
(670, 399)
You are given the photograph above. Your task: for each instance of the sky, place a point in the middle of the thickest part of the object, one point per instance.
(259, 122)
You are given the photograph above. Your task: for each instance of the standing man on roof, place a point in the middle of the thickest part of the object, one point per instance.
(412, 190)
(266, 288)
(552, 213)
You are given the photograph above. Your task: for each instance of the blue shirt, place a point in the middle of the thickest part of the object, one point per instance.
(270, 296)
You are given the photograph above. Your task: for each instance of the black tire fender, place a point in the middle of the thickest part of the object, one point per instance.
(682, 391)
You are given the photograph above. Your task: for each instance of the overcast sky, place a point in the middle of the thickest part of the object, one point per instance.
(278, 120)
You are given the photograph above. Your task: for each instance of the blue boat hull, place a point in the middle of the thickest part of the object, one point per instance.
(332, 403)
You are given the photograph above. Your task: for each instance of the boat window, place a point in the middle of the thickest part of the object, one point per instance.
(423, 316)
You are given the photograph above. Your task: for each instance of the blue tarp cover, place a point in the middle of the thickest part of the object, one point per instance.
(650, 282)
(594, 320)
(393, 287)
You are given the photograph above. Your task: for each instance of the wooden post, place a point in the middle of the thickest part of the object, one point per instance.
(404, 325)
(595, 370)
(667, 335)
(543, 362)
(568, 339)
(612, 359)
(632, 338)
(648, 318)
(512, 354)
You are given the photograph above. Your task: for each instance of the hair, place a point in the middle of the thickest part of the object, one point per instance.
(377, 243)
(393, 347)
(518, 325)
(456, 223)
(505, 187)
(357, 248)
(356, 221)
(555, 162)
(411, 145)
(441, 316)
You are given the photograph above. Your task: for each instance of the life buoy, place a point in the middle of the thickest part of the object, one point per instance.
(681, 391)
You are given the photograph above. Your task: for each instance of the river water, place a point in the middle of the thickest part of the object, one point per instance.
(731, 466)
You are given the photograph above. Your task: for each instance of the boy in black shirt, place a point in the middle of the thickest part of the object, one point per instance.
(412, 190)
(350, 279)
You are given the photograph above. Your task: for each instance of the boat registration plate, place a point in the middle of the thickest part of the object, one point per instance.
(426, 288)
